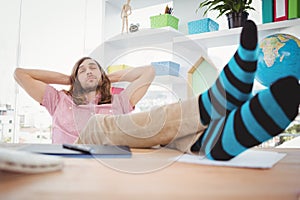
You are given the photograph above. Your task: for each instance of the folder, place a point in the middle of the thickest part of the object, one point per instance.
(267, 11)
(92, 151)
(294, 9)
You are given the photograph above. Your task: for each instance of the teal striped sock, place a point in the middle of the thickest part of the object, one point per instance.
(266, 115)
(234, 85)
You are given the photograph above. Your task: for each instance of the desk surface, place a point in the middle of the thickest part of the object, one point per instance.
(150, 174)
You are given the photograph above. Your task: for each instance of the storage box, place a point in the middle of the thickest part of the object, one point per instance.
(202, 25)
(166, 68)
(164, 20)
(114, 68)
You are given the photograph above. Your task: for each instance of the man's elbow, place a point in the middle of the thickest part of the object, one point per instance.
(151, 72)
(17, 73)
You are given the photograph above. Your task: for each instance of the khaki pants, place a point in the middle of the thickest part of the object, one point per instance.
(175, 125)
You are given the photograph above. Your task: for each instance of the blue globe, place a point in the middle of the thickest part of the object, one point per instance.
(279, 56)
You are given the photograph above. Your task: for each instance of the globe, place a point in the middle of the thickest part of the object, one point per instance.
(279, 56)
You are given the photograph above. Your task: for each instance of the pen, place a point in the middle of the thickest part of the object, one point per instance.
(82, 148)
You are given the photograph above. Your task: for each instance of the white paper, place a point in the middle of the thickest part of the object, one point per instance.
(247, 159)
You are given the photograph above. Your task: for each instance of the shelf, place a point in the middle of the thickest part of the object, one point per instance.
(154, 36)
(231, 36)
(167, 79)
(159, 36)
(136, 4)
(159, 81)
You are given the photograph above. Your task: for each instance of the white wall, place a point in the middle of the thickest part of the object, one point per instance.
(113, 21)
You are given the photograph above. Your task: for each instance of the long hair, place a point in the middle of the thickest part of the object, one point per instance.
(77, 92)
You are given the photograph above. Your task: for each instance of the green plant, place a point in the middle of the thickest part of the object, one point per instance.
(226, 6)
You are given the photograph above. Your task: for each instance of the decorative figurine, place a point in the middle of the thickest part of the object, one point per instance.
(126, 11)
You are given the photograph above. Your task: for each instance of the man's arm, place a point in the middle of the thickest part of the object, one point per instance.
(35, 81)
(140, 78)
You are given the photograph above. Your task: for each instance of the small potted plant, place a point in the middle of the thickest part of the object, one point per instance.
(235, 10)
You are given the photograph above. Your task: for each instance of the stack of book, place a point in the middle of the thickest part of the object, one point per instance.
(279, 10)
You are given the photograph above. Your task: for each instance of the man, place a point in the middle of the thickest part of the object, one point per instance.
(89, 94)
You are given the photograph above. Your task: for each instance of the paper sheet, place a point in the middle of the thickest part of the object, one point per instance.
(247, 159)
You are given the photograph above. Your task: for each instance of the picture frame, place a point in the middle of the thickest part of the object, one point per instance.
(280, 10)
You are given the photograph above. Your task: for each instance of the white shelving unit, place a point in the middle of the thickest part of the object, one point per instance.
(231, 36)
(197, 42)
(185, 48)
(188, 47)
(121, 44)
(158, 41)
(136, 4)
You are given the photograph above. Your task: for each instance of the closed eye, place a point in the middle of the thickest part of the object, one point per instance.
(81, 70)
(93, 67)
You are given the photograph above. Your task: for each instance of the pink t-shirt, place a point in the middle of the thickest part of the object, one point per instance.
(68, 119)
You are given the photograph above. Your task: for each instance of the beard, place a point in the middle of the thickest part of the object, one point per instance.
(90, 88)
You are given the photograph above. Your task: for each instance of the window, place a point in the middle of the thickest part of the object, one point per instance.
(33, 39)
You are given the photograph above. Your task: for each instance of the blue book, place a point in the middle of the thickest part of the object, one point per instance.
(267, 11)
(79, 151)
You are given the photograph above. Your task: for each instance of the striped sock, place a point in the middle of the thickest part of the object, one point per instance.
(266, 115)
(234, 85)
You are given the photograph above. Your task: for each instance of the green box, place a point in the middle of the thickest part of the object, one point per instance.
(294, 9)
(164, 20)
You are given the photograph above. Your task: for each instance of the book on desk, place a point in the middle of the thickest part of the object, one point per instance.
(79, 151)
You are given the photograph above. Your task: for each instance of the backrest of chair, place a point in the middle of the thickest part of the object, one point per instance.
(116, 90)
